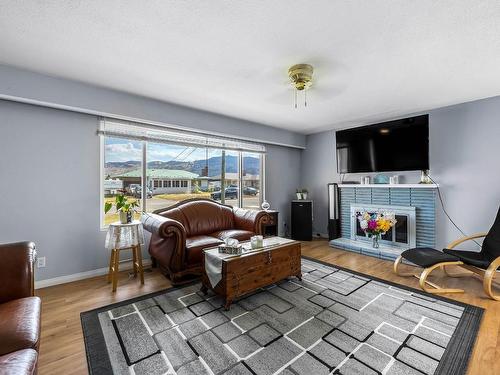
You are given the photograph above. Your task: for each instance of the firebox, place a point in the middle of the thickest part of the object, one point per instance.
(403, 234)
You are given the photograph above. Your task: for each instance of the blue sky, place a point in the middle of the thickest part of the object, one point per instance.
(118, 149)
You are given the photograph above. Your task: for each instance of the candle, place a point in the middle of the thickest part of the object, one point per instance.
(257, 242)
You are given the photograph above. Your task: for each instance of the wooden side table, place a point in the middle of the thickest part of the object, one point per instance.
(125, 237)
(271, 229)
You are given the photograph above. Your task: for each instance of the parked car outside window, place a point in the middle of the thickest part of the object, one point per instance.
(231, 192)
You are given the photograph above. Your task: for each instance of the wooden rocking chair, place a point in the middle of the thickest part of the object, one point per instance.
(483, 264)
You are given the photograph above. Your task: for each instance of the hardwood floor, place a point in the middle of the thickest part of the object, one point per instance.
(62, 349)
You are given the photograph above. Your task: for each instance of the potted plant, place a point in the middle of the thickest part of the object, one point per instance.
(299, 193)
(304, 193)
(124, 207)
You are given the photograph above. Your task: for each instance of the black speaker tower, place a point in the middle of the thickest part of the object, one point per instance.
(333, 211)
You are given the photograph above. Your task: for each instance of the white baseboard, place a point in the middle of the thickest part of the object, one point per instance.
(84, 275)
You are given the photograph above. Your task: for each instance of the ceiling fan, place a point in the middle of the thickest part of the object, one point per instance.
(301, 77)
(315, 81)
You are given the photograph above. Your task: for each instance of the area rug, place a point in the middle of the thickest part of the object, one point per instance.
(335, 321)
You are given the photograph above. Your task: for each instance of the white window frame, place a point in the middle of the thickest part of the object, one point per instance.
(144, 144)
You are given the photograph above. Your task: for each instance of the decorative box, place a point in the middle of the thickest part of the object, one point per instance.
(227, 249)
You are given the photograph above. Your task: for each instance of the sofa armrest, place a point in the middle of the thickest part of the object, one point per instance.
(251, 220)
(17, 270)
(168, 240)
(163, 226)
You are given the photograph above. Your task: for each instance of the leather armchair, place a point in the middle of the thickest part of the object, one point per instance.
(20, 310)
(181, 232)
(16, 276)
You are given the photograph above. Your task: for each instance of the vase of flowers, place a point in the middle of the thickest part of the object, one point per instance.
(375, 224)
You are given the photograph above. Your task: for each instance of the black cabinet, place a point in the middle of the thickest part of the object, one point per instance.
(302, 217)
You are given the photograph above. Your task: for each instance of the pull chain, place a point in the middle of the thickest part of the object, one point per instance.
(305, 97)
(295, 91)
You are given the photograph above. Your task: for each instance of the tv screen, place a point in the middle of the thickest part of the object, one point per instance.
(399, 145)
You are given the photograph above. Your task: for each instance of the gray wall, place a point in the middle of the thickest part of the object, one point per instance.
(464, 142)
(282, 179)
(50, 185)
(33, 87)
(318, 169)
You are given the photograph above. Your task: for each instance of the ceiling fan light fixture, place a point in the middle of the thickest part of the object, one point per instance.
(301, 78)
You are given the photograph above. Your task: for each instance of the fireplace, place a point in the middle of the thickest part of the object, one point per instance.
(402, 235)
(414, 206)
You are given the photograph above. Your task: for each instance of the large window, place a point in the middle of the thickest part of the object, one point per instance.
(159, 174)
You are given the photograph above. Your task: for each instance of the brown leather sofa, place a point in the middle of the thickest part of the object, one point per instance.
(181, 232)
(19, 310)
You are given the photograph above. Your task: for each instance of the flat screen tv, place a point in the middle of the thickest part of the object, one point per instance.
(399, 145)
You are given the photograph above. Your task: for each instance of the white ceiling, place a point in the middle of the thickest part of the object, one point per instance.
(374, 59)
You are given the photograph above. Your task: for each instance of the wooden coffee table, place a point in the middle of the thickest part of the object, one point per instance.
(254, 269)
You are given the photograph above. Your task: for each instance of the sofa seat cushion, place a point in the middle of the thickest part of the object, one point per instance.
(20, 324)
(195, 246)
(239, 234)
(19, 362)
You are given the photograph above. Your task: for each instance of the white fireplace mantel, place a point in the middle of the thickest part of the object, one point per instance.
(391, 186)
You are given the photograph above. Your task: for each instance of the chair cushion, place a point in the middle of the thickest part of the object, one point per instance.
(195, 246)
(19, 362)
(19, 324)
(470, 257)
(491, 243)
(239, 234)
(427, 257)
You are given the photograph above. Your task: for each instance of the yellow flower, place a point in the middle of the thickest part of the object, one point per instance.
(383, 225)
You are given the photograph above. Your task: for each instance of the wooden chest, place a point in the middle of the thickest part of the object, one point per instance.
(246, 273)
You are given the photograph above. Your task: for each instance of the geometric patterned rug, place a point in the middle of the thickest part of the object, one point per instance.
(335, 321)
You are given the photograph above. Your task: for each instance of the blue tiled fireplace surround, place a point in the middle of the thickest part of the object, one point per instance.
(423, 199)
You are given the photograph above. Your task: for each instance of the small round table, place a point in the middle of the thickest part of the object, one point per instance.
(124, 237)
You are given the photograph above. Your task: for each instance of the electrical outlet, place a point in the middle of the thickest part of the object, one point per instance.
(40, 262)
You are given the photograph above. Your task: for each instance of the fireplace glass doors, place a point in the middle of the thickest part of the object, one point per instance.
(402, 235)
(398, 234)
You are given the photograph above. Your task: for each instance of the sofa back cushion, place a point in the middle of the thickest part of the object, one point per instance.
(201, 217)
